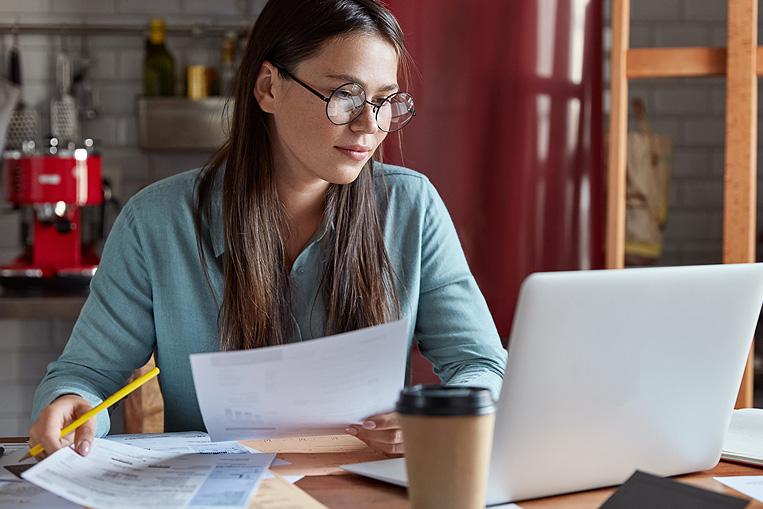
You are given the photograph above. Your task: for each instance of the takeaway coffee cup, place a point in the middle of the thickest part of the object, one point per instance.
(447, 432)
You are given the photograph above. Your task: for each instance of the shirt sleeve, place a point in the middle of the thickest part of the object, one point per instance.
(114, 334)
(454, 328)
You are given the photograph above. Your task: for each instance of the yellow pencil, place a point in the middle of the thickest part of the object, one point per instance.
(121, 393)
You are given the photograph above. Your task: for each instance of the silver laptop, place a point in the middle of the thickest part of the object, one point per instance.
(616, 370)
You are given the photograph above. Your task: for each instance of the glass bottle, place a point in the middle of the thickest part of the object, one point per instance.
(201, 78)
(228, 67)
(158, 65)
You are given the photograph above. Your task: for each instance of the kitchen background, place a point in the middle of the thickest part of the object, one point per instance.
(690, 111)
(27, 346)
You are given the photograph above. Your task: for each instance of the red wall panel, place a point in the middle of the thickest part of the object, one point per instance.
(509, 129)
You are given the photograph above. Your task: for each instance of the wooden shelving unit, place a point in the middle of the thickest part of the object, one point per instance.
(740, 64)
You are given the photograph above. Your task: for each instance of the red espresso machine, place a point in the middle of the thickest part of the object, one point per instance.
(51, 189)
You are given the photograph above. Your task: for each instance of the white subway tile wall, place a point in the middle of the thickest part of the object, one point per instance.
(26, 347)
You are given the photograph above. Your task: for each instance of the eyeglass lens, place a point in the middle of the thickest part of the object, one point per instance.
(347, 103)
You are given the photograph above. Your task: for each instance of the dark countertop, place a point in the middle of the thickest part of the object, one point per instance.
(41, 304)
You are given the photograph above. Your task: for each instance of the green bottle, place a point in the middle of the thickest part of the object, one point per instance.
(158, 66)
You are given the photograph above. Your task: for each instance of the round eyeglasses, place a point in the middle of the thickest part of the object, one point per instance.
(347, 102)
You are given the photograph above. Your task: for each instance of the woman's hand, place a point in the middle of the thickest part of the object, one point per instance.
(46, 431)
(381, 432)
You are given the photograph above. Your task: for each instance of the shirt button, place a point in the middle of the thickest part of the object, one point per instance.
(301, 270)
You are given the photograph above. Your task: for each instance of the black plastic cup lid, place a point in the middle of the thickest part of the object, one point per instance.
(445, 400)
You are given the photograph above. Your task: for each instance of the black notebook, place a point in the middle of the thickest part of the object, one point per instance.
(643, 490)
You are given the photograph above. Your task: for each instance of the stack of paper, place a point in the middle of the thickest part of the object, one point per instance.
(104, 479)
(187, 442)
(15, 492)
(114, 476)
(184, 442)
(744, 439)
(28, 496)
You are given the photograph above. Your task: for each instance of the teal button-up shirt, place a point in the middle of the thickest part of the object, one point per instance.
(150, 296)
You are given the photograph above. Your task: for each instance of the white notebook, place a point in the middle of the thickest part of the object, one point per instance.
(744, 439)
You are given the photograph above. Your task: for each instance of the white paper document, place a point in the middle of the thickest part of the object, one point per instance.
(744, 439)
(116, 476)
(316, 387)
(184, 442)
(750, 485)
(28, 496)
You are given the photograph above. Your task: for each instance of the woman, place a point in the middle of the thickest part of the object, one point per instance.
(292, 232)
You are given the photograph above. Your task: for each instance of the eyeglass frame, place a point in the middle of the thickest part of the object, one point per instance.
(376, 107)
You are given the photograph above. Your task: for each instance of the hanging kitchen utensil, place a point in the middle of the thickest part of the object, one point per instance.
(9, 97)
(64, 124)
(24, 123)
(87, 98)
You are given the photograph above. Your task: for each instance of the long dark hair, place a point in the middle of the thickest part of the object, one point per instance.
(358, 279)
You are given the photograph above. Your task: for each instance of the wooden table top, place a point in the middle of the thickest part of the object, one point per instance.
(342, 490)
(338, 489)
(346, 491)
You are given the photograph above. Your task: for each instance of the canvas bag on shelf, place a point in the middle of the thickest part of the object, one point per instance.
(648, 187)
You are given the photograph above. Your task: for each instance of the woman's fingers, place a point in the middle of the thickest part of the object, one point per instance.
(46, 431)
(382, 421)
(380, 432)
(386, 447)
(85, 434)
